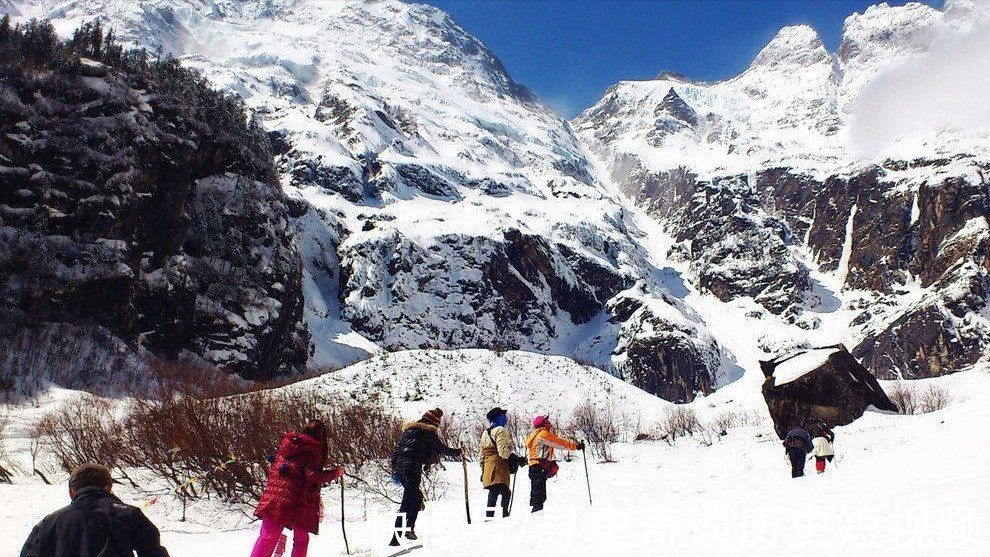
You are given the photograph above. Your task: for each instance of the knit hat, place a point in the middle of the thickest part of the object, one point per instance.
(495, 412)
(541, 420)
(432, 417)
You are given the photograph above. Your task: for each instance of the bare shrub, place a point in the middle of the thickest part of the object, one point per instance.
(909, 400)
(934, 398)
(600, 427)
(679, 421)
(724, 421)
(200, 445)
(903, 397)
(82, 430)
(460, 430)
(6, 469)
(729, 419)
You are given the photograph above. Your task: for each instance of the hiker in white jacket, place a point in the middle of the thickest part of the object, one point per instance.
(822, 439)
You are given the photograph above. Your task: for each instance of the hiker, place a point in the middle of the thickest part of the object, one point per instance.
(540, 445)
(96, 523)
(418, 448)
(498, 462)
(291, 498)
(797, 445)
(822, 438)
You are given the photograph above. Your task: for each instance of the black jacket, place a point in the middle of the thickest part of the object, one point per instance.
(419, 446)
(95, 524)
(799, 438)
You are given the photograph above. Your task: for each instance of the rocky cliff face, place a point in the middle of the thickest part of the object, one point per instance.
(440, 205)
(759, 179)
(127, 215)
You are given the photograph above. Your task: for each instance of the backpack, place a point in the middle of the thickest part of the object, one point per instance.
(550, 467)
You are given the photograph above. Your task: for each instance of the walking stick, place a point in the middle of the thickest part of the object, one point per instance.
(343, 527)
(467, 502)
(587, 478)
(512, 493)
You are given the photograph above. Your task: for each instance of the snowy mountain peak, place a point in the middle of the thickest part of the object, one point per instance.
(883, 32)
(797, 45)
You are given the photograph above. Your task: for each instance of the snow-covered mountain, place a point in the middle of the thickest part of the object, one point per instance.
(682, 230)
(445, 206)
(765, 176)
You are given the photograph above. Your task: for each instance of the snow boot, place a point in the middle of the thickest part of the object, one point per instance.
(411, 535)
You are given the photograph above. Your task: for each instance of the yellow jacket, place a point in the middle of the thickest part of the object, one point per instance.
(494, 456)
(541, 443)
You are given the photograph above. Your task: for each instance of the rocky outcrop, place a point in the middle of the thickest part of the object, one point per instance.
(661, 354)
(898, 231)
(826, 383)
(480, 292)
(125, 209)
(736, 247)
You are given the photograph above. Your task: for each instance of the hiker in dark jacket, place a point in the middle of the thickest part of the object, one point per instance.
(797, 445)
(418, 448)
(96, 523)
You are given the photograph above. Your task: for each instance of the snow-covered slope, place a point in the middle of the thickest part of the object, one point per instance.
(469, 382)
(728, 494)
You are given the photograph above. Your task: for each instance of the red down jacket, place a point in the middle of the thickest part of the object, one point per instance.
(292, 494)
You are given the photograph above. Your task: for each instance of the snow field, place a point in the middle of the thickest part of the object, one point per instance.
(905, 485)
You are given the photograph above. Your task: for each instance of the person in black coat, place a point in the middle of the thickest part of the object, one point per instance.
(96, 523)
(418, 448)
(797, 445)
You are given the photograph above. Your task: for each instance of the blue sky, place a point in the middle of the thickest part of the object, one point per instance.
(569, 51)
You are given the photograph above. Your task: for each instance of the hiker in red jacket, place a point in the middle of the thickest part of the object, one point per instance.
(292, 495)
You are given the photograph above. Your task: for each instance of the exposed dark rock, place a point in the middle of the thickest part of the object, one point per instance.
(827, 383)
(123, 210)
(660, 356)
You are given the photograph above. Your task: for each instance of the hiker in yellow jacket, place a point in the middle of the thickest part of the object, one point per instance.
(498, 462)
(541, 443)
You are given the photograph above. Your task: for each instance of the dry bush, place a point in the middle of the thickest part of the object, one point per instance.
(518, 426)
(6, 469)
(201, 445)
(600, 427)
(679, 421)
(909, 401)
(225, 443)
(903, 397)
(457, 430)
(724, 421)
(728, 419)
(82, 430)
(934, 398)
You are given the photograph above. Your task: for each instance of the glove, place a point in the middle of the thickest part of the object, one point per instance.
(271, 459)
(580, 445)
(336, 473)
(284, 469)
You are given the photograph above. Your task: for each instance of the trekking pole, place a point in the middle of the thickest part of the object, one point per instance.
(343, 527)
(587, 478)
(467, 501)
(512, 493)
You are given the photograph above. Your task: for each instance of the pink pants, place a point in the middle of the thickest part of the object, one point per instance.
(271, 531)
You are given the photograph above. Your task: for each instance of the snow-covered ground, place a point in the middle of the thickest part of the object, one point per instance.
(904, 485)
